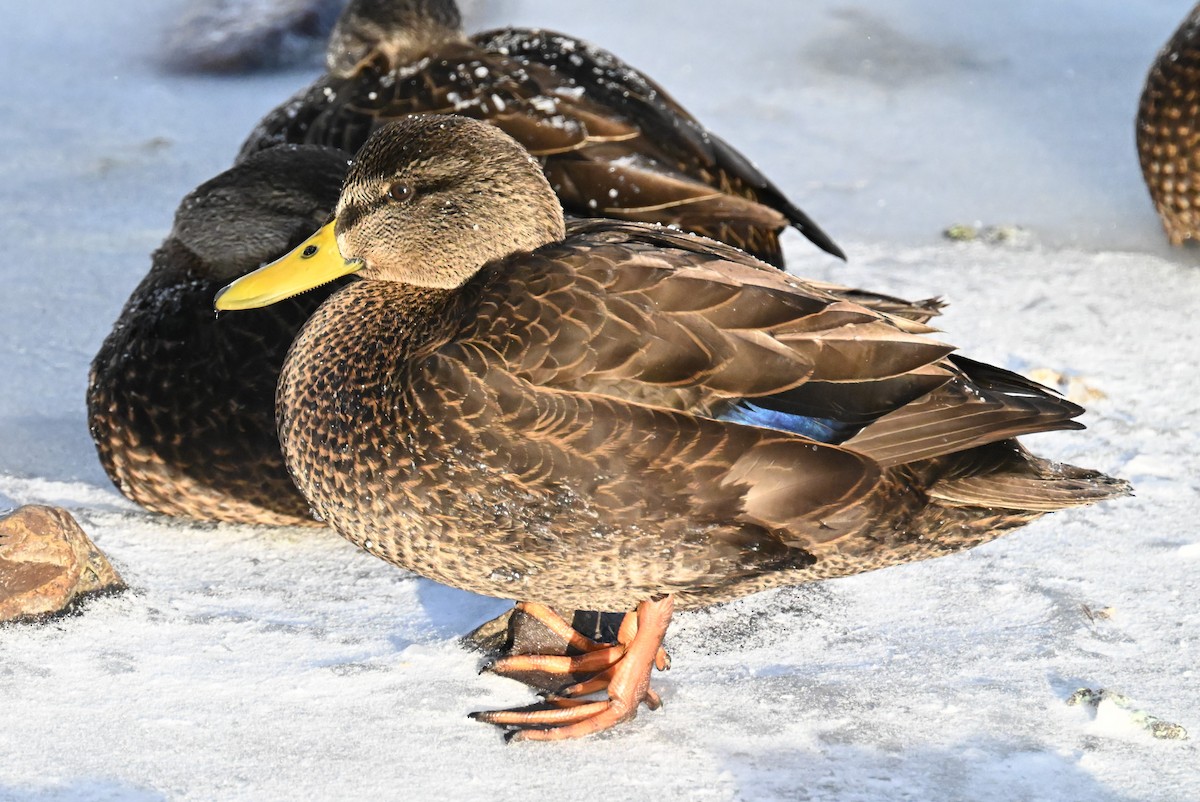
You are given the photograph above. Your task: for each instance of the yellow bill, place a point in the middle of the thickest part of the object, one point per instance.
(314, 262)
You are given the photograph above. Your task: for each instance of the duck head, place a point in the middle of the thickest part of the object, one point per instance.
(259, 208)
(428, 201)
(401, 31)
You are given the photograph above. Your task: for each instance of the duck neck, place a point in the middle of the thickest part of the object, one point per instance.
(368, 331)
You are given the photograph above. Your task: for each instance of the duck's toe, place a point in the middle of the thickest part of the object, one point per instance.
(623, 672)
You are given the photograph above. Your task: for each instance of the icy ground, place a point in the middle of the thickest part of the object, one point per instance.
(254, 664)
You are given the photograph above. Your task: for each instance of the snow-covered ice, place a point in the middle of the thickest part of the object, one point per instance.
(255, 664)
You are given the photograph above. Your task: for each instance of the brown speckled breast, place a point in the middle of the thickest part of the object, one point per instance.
(1168, 132)
(422, 464)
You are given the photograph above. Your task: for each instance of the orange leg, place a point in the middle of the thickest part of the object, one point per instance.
(596, 684)
(595, 658)
(626, 679)
(558, 663)
(628, 631)
(559, 626)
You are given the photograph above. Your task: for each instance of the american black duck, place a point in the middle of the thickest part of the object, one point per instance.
(1168, 127)
(621, 417)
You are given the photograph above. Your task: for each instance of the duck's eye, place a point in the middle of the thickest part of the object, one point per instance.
(400, 192)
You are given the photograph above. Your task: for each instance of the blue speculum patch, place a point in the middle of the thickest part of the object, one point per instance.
(823, 430)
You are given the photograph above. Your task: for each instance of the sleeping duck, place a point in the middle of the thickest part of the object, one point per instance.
(611, 141)
(620, 417)
(181, 403)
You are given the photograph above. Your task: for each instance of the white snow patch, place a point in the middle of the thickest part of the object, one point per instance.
(260, 664)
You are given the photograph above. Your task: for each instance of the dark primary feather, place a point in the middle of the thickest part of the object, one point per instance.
(611, 142)
(981, 404)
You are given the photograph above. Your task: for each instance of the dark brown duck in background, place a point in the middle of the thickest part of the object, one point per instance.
(1168, 132)
(181, 404)
(611, 141)
(621, 417)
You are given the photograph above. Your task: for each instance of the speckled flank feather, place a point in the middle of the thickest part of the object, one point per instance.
(181, 403)
(1168, 127)
(611, 141)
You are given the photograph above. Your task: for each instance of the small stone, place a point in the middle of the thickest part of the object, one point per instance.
(1098, 613)
(47, 563)
(1005, 235)
(1113, 706)
(961, 232)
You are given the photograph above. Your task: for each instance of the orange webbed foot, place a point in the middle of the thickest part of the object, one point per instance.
(623, 671)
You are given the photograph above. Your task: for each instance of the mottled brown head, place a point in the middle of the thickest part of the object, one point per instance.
(430, 199)
(399, 31)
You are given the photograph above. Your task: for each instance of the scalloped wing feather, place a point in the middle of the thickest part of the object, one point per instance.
(682, 329)
(643, 465)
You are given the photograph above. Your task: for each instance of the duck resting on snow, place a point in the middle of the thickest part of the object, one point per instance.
(621, 417)
(181, 403)
(611, 141)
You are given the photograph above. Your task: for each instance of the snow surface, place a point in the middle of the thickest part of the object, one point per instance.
(259, 664)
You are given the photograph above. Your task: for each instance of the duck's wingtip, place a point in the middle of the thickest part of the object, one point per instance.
(828, 245)
(813, 232)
